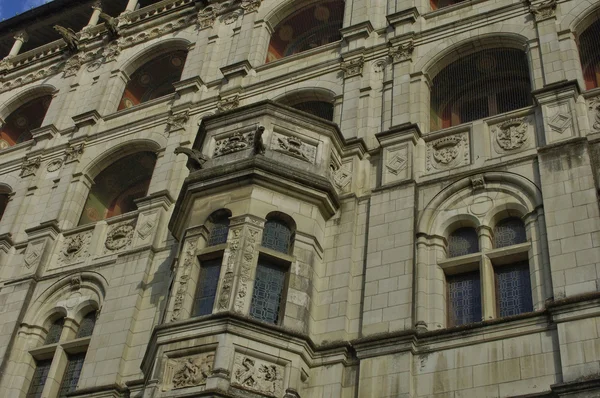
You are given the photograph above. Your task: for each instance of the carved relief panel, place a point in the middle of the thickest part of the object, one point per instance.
(119, 237)
(558, 122)
(258, 375)
(190, 371)
(184, 268)
(294, 146)
(340, 174)
(74, 248)
(396, 165)
(513, 135)
(448, 152)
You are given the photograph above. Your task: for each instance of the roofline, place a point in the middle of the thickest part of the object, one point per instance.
(17, 22)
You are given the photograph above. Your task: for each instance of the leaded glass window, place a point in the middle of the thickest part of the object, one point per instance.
(463, 241)
(218, 232)
(39, 378)
(55, 331)
(72, 373)
(87, 325)
(509, 232)
(268, 292)
(513, 289)
(207, 287)
(464, 298)
(277, 236)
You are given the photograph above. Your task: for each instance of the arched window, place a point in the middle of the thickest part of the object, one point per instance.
(508, 232)
(3, 203)
(307, 28)
(117, 187)
(55, 331)
(483, 84)
(87, 325)
(435, 4)
(18, 125)
(463, 241)
(321, 109)
(268, 296)
(154, 79)
(589, 52)
(210, 263)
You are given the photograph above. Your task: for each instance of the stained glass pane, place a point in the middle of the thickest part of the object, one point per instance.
(55, 331)
(207, 287)
(464, 299)
(509, 232)
(268, 292)
(218, 233)
(513, 289)
(72, 373)
(39, 378)
(87, 325)
(277, 236)
(463, 241)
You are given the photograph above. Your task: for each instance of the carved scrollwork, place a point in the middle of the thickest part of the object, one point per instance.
(511, 134)
(258, 375)
(246, 269)
(190, 252)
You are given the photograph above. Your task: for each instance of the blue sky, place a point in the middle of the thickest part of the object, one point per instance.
(10, 8)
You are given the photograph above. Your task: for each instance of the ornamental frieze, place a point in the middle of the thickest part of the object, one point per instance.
(447, 152)
(511, 134)
(258, 375)
(184, 276)
(189, 371)
(248, 255)
(295, 147)
(230, 255)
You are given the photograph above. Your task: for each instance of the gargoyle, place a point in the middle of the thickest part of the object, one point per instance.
(111, 24)
(69, 36)
(195, 158)
(259, 145)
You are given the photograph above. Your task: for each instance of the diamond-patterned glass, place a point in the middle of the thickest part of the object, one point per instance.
(277, 236)
(72, 373)
(268, 292)
(207, 287)
(218, 232)
(513, 289)
(509, 232)
(86, 328)
(464, 299)
(463, 241)
(39, 378)
(55, 331)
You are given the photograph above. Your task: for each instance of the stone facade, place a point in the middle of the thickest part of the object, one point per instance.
(370, 199)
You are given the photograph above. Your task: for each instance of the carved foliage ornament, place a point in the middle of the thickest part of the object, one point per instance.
(237, 142)
(511, 134)
(192, 371)
(29, 166)
(402, 52)
(227, 104)
(594, 106)
(231, 253)
(119, 237)
(353, 67)
(247, 261)
(190, 252)
(74, 152)
(178, 121)
(544, 10)
(255, 374)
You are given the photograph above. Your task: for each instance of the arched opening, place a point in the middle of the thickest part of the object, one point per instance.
(18, 125)
(154, 79)
(483, 84)
(117, 187)
(307, 28)
(218, 226)
(589, 52)
(321, 109)
(463, 241)
(436, 4)
(3, 204)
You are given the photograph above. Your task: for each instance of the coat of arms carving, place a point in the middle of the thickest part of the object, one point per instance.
(511, 134)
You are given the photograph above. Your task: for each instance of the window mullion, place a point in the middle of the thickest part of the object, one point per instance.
(488, 288)
(56, 372)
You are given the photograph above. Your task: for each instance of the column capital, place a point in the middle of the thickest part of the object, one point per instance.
(22, 36)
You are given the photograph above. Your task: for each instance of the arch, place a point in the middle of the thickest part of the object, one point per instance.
(589, 49)
(218, 226)
(580, 17)
(24, 97)
(100, 162)
(118, 185)
(301, 27)
(278, 232)
(147, 54)
(437, 216)
(68, 297)
(318, 102)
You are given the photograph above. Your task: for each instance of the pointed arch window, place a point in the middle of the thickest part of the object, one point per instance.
(154, 79)
(19, 124)
(307, 28)
(116, 188)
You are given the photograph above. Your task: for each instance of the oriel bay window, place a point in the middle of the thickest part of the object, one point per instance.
(270, 282)
(65, 348)
(483, 84)
(210, 262)
(487, 272)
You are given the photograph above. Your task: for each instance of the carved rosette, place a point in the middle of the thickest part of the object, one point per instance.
(119, 237)
(258, 375)
(230, 255)
(594, 106)
(248, 255)
(234, 143)
(184, 276)
(353, 67)
(294, 146)
(544, 10)
(188, 371)
(402, 52)
(511, 134)
(447, 152)
(74, 248)
(30, 166)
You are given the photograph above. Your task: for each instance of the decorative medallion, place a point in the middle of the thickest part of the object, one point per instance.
(353, 67)
(119, 237)
(295, 147)
(74, 247)
(4, 144)
(54, 165)
(258, 375)
(449, 151)
(511, 134)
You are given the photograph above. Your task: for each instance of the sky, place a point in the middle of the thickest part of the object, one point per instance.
(10, 8)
